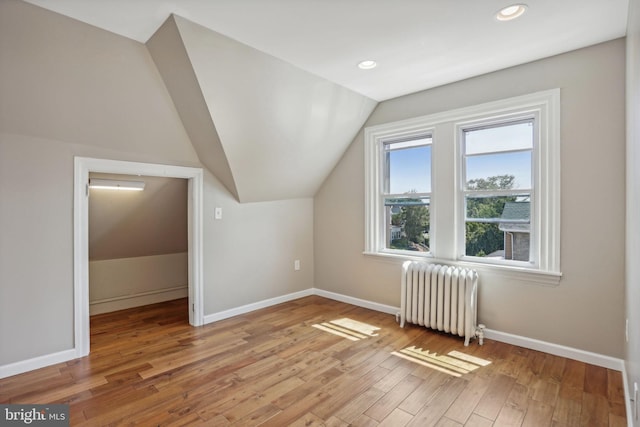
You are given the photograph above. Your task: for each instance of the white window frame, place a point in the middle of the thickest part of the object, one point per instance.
(446, 205)
(382, 195)
(374, 211)
(461, 127)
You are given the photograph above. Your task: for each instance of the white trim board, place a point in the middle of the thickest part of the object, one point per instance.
(296, 295)
(533, 344)
(221, 315)
(627, 396)
(123, 302)
(530, 343)
(357, 301)
(557, 350)
(85, 165)
(32, 364)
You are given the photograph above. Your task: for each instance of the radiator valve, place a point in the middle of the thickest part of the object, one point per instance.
(480, 333)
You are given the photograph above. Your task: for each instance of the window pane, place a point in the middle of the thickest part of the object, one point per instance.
(507, 137)
(499, 171)
(408, 166)
(498, 227)
(407, 223)
(484, 240)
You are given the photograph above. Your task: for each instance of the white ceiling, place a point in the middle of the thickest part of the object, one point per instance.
(418, 44)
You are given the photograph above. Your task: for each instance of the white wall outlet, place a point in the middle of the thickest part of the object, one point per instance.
(217, 213)
(296, 265)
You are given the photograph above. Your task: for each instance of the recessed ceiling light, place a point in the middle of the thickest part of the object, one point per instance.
(511, 12)
(367, 65)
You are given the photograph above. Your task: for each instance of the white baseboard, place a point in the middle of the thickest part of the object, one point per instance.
(557, 350)
(627, 396)
(533, 344)
(357, 301)
(107, 305)
(530, 343)
(221, 315)
(36, 363)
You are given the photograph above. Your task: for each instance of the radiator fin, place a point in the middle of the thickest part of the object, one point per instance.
(440, 297)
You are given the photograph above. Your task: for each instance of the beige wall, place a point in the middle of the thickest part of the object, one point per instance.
(137, 243)
(127, 224)
(117, 284)
(68, 89)
(586, 310)
(632, 350)
(249, 253)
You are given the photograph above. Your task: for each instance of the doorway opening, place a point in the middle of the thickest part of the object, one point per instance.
(138, 245)
(82, 168)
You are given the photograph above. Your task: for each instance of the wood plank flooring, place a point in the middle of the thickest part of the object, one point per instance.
(271, 367)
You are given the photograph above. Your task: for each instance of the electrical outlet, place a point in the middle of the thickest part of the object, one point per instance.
(296, 265)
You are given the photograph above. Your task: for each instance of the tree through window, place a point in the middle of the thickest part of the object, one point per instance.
(498, 188)
(407, 193)
(475, 185)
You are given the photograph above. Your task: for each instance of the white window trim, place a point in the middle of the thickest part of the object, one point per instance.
(535, 254)
(546, 105)
(374, 237)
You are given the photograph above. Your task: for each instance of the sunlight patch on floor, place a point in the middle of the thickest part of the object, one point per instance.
(453, 363)
(348, 328)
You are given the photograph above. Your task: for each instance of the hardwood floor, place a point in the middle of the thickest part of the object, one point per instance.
(272, 367)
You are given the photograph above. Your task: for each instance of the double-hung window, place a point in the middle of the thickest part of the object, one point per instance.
(477, 185)
(406, 192)
(497, 190)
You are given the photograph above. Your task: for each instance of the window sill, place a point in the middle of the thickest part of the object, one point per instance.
(522, 274)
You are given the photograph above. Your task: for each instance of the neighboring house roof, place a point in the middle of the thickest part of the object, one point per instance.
(395, 209)
(516, 217)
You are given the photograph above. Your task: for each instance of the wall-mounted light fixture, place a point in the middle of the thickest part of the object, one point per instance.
(116, 184)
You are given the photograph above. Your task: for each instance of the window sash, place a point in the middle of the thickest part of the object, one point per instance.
(486, 125)
(407, 142)
(422, 241)
(447, 195)
(466, 193)
(420, 139)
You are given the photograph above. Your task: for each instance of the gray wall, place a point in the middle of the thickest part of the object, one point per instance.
(586, 310)
(69, 89)
(632, 353)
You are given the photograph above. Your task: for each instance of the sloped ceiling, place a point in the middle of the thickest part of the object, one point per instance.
(267, 129)
(417, 44)
(169, 54)
(126, 224)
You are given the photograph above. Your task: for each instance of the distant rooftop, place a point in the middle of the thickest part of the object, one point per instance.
(516, 211)
(516, 217)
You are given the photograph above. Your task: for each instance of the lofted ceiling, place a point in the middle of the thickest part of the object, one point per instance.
(266, 129)
(126, 224)
(269, 90)
(418, 44)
